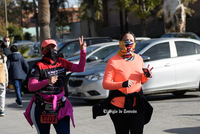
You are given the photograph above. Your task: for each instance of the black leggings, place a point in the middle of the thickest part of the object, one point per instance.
(134, 123)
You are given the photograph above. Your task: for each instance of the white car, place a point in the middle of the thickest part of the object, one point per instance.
(176, 63)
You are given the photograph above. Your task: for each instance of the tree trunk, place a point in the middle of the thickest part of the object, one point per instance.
(144, 27)
(53, 27)
(143, 20)
(44, 19)
(121, 21)
(89, 28)
(92, 18)
(105, 13)
(53, 10)
(174, 16)
(126, 20)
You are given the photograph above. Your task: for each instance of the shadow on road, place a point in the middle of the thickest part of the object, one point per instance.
(188, 130)
(79, 102)
(169, 96)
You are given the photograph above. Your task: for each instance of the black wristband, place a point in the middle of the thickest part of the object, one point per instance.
(125, 84)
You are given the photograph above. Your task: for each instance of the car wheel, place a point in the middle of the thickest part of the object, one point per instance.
(179, 93)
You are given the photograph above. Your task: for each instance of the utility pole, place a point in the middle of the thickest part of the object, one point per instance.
(6, 18)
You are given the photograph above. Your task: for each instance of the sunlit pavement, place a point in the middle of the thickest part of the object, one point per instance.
(171, 115)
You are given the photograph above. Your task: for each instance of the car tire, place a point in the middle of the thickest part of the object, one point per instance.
(179, 93)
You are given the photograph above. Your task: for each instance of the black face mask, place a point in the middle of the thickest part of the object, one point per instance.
(52, 54)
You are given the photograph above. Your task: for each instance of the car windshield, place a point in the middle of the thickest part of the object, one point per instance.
(76, 56)
(139, 46)
(60, 45)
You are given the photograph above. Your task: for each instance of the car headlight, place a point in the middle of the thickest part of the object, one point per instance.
(94, 77)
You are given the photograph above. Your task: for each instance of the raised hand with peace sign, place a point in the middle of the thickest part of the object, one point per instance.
(82, 43)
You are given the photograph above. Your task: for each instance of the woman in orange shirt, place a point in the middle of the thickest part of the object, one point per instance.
(124, 73)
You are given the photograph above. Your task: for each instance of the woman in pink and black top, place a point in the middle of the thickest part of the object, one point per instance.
(49, 105)
(124, 73)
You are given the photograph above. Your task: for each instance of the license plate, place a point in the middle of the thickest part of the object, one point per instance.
(74, 91)
(49, 118)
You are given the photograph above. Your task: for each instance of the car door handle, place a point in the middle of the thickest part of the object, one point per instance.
(198, 59)
(167, 65)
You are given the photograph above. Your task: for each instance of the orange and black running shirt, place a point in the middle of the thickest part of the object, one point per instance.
(118, 71)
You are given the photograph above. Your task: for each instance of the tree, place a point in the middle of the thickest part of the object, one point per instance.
(175, 14)
(62, 21)
(25, 8)
(2, 27)
(44, 19)
(91, 10)
(16, 11)
(105, 12)
(27, 36)
(142, 9)
(54, 7)
(15, 32)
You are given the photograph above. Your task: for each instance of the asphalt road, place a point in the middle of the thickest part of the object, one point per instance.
(171, 115)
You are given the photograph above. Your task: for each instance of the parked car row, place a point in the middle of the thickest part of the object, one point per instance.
(176, 63)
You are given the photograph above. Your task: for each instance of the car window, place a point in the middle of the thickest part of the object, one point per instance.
(197, 48)
(159, 51)
(98, 41)
(36, 47)
(76, 55)
(185, 48)
(139, 46)
(105, 51)
(70, 49)
(60, 45)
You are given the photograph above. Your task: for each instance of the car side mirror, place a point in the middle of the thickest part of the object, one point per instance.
(146, 58)
(61, 55)
(92, 58)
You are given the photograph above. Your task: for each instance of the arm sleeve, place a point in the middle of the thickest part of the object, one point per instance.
(8, 63)
(81, 66)
(6, 70)
(25, 65)
(109, 74)
(34, 84)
